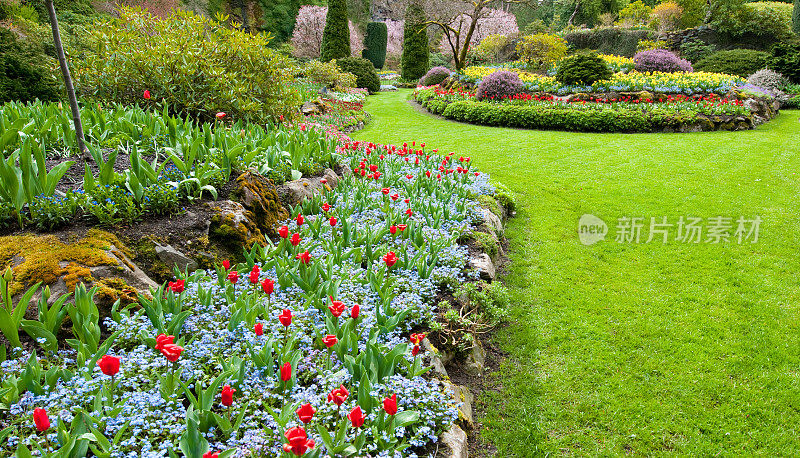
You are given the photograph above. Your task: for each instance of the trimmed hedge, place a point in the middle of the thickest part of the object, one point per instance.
(582, 69)
(609, 40)
(336, 35)
(414, 62)
(375, 43)
(366, 76)
(741, 62)
(786, 60)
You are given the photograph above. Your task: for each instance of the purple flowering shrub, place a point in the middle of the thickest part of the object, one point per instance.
(499, 85)
(435, 76)
(660, 60)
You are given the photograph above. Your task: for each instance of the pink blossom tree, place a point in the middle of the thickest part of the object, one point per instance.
(307, 34)
(394, 44)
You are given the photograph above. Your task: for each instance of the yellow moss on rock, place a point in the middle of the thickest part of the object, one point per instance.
(41, 258)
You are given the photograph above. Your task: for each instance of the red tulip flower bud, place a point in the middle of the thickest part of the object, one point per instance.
(162, 340)
(393, 229)
(332, 221)
(355, 311)
(233, 276)
(283, 232)
(385, 191)
(109, 365)
(330, 340)
(268, 286)
(415, 350)
(356, 417)
(227, 395)
(226, 264)
(299, 443)
(390, 405)
(146, 94)
(41, 420)
(304, 257)
(220, 115)
(390, 259)
(210, 455)
(286, 317)
(172, 352)
(286, 371)
(336, 308)
(300, 220)
(325, 207)
(259, 329)
(177, 286)
(305, 413)
(295, 240)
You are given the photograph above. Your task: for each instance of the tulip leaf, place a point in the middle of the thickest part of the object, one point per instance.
(405, 418)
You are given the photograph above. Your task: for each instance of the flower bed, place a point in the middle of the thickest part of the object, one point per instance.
(304, 349)
(668, 83)
(599, 112)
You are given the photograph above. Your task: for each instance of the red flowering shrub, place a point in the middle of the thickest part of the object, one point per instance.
(660, 60)
(499, 85)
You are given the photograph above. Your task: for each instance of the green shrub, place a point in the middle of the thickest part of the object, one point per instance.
(414, 62)
(741, 62)
(785, 60)
(695, 50)
(326, 74)
(24, 74)
(764, 18)
(609, 40)
(694, 12)
(796, 17)
(375, 43)
(541, 51)
(366, 76)
(217, 69)
(583, 70)
(336, 35)
(636, 13)
(495, 48)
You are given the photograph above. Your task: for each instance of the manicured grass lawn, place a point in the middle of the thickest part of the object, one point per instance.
(648, 348)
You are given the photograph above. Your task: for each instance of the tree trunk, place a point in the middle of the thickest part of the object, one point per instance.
(574, 13)
(243, 9)
(476, 14)
(62, 61)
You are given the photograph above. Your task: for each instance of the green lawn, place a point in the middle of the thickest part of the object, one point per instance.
(648, 348)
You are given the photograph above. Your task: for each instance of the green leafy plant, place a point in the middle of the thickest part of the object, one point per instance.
(541, 51)
(336, 35)
(741, 62)
(582, 70)
(366, 76)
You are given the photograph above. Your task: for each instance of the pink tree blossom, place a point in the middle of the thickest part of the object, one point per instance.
(307, 34)
(491, 22)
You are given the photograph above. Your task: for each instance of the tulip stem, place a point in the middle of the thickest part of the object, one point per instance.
(111, 393)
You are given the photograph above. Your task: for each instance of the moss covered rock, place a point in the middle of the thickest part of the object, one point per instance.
(259, 196)
(234, 226)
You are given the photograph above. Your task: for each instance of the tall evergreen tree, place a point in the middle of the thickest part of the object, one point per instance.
(414, 61)
(279, 18)
(336, 35)
(375, 43)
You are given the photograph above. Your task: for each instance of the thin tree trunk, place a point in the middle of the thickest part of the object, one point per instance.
(243, 9)
(62, 61)
(574, 13)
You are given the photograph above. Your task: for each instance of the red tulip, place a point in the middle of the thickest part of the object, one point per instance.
(416, 338)
(286, 372)
(41, 420)
(164, 339)
(338, 396)
(233, 276)
(300, 220)
(146, 94)
(286, 317)
(395, 197)
(304, 257)
(109, 365)
(325, 207)
(226, 264)
(172, 352)
(415, 350)
(385, 191)
(220, 115)
(393, 229)
(299, 443)
(329, 340)
(254, 275)
(402, 227)
(336, 308)
(323, 180)
(305, 413)
(390, 405)
(259, 329)
(227, 395)
(283, 232)
(355, 311)
(295, 239)
(268, 286)
(356, 417)
(409, 176)
(177, 286)
(332, 221)
(210, 455)
(390, 259)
